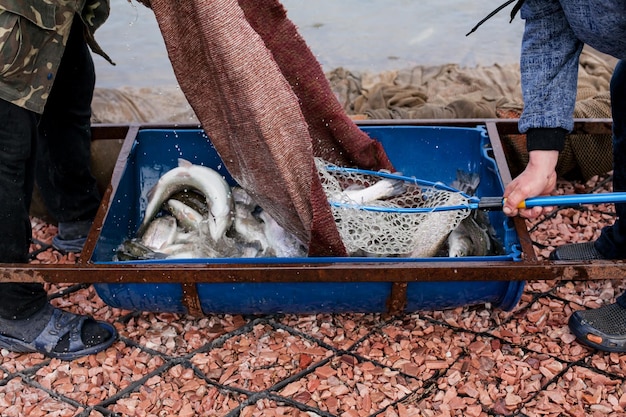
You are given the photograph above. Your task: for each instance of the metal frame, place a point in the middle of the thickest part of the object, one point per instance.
(529, 268)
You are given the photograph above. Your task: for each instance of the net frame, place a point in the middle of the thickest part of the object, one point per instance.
(409, 224)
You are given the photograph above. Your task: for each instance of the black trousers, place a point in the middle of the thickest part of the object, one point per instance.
(612, 240)
(53, 149)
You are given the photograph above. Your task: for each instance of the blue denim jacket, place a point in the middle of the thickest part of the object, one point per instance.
(554, 36)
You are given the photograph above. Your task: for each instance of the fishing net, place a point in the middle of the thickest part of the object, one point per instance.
(267, 107)
(390, 226)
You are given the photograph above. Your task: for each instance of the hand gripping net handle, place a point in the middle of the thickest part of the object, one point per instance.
(402, 225)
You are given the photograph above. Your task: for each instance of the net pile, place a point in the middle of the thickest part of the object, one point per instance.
(384, 227)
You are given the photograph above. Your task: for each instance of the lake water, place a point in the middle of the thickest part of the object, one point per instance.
(363, 35)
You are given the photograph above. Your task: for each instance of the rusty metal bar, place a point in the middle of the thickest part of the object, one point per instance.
(396, 302)
(130, 132)
(315, 272)
(528, 252)
(191, 299)
(498, 152)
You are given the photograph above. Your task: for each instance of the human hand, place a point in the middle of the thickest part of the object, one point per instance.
(539, 178)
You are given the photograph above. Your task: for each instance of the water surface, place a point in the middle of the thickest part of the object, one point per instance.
(363, 35)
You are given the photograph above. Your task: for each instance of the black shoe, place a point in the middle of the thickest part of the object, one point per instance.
(602, 328)
(576, 252)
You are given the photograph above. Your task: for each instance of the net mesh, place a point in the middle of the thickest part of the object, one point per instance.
(389, 231)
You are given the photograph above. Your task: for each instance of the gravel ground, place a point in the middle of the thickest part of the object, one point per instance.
(468, 361)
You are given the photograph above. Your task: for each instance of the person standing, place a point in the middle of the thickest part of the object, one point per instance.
(47, 79)
(554, 35)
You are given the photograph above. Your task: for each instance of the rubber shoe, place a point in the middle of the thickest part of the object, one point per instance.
(576, 252)
(602, 328)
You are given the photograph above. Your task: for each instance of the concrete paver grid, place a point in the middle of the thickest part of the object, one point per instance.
(465, 361)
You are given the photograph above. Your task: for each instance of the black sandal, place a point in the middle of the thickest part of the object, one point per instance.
(61, 323)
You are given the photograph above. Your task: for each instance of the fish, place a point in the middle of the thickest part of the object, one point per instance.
(192, 199)
(160, 233)
(253, 250)
(186, 237)
(205, 180)
(241, 197)
(250, 229)
(283, 243)
(466, 182)
(186, 250)
(187, 217)
(185, 233)
(469, 238)
(133, 249)
(474, 236)
(380, 190)
(247, 224)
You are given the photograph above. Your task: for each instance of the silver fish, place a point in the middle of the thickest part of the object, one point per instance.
(469, 238)
(132, 250)
(186, 237)
(207, 181)
(192, 199)
(474, 236)
(187, 250)
(385, 188)
(241, 197)
(252, 251)
(247, 225)
(283, 243)
(188, 218)
(466, 182)
(160, 233)
(249, 229)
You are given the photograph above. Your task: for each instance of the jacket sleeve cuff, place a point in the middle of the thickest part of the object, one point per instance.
(545, 139)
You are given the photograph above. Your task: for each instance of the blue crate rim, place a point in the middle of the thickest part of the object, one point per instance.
(513, 250)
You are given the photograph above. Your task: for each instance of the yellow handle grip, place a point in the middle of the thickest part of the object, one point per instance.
(521, 205)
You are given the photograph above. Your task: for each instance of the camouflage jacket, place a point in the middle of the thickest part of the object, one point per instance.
(33, 35)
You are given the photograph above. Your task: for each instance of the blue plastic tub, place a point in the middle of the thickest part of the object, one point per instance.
(432, 153)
